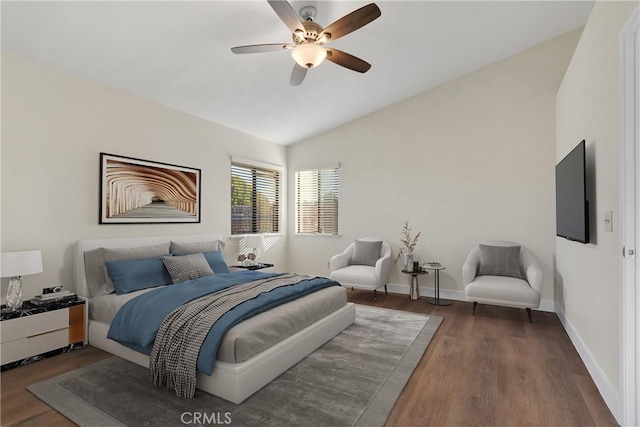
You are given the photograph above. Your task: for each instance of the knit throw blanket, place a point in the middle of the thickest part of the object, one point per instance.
(177, 344)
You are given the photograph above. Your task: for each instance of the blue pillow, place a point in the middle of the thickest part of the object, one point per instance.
(130, 276)
(216, 262)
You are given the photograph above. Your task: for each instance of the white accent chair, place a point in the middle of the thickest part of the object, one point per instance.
(362, 276)
(501, 290)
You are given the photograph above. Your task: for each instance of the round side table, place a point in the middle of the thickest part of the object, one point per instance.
(437, 300)
(414, 289)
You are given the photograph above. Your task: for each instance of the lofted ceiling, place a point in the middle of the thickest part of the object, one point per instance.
(178, 53)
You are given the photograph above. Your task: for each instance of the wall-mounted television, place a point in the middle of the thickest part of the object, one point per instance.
(572, 207)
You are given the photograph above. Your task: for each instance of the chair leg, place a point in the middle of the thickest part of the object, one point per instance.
(375, 295)
(529, 313)
(475, 304)
(385, 290)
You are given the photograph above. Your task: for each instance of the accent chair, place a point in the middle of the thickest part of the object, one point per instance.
(365, 264)
(502, 273)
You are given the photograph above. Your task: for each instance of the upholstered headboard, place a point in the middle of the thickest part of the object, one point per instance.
(82, 246)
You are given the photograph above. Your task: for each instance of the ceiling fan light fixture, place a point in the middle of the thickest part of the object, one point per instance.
(309, 55)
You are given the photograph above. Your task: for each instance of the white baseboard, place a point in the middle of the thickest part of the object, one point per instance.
(609, 394)
(397, 288)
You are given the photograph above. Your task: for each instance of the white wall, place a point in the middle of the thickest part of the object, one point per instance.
(54, 125)
(470, 160)
(588, 276)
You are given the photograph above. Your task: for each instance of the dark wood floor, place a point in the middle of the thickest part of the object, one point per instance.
(493, 369)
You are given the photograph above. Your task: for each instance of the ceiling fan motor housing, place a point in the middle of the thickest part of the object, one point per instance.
(311, 34)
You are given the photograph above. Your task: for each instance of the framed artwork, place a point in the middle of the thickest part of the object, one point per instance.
(135, 191)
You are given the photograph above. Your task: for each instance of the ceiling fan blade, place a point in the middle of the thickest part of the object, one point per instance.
(351, 22)
(289, 16)
(259, 48)
(348, 61)
(297, 75)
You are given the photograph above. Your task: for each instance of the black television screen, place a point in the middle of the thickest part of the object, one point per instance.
(572, 210)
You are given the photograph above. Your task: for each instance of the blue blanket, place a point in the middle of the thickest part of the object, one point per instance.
(137, 322)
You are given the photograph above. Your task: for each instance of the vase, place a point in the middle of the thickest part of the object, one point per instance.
(408, 262)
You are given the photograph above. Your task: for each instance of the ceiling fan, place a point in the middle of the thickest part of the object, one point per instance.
(309, 37)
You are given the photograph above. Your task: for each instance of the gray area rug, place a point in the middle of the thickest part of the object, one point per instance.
(352, 380)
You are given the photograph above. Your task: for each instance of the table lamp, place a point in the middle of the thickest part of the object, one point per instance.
(14, 264)
(254, 242)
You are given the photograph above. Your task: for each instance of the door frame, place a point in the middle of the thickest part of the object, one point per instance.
(629, 43)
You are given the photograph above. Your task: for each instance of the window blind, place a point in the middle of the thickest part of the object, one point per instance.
(317, 195)
(255, 199)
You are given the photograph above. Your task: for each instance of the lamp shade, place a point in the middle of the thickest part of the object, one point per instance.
(254, 241)
(309, 55)
(20, 263)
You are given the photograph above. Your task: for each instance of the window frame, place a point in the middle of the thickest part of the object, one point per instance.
(317, 169)
(238, 161)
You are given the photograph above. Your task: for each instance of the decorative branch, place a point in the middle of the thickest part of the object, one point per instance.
(407, 241)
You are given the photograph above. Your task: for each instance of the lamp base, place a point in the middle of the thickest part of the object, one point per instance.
(14, 294)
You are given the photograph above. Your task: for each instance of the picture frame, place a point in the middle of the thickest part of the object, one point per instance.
(137, 191)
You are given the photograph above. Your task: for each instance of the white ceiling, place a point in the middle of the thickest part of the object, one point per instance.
(178, 53)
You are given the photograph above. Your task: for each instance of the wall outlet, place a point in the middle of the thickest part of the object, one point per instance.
(608, 221)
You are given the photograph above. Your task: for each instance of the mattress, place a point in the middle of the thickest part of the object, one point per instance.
(255, 334)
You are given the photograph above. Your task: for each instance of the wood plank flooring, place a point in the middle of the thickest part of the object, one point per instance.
(492, 369)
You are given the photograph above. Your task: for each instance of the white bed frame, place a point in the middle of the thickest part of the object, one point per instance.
(231, 381)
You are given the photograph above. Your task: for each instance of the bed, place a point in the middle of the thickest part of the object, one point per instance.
(241, 367)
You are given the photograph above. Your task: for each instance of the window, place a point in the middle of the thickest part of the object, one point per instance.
(255, 198)
(317, 193)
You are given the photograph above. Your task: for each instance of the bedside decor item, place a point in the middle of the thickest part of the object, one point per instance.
(135, 191)
(409, 244)
(254, 243)
(15, 264)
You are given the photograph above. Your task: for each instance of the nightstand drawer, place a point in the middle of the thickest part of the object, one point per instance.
(36, 344)
(23, 327)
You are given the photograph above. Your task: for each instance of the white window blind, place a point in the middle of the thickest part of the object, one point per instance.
(255, 199)
(317, 194)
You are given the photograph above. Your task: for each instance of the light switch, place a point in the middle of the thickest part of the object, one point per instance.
(608, 221)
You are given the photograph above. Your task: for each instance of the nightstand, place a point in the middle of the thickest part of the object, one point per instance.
(35, 332)
(269, 268)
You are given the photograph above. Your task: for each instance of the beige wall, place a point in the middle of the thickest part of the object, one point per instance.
(53, 127)
(588, 107)
(470, 160)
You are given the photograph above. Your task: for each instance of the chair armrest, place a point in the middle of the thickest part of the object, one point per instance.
(469, 270)
(533, 272)
(470, 266)
(383, 269)
(534, 277)
(339, 261)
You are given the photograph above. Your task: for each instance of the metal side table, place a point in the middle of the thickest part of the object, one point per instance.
(437, 300)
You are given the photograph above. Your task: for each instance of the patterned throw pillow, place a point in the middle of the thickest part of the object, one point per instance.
(187, 267)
